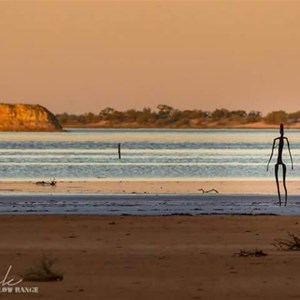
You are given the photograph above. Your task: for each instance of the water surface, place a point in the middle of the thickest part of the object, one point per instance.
(92, 154)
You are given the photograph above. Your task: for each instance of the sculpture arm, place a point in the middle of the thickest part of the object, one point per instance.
(288, 144)
(271, 154)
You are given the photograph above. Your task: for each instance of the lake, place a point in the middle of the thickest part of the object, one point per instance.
(173, 154)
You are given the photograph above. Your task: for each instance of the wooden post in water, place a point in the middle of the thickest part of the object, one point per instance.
(119, 150)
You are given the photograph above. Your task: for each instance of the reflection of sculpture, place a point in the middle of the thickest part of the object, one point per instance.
(280, 140)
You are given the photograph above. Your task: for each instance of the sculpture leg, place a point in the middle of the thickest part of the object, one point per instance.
(277, 183)
(284, 185)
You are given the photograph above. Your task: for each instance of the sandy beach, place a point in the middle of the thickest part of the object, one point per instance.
(150, 257)
(149, 186)
(175, 257)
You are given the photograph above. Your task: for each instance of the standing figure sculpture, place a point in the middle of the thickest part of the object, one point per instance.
(280, 145)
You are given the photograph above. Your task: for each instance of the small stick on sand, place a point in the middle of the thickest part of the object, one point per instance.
(209, 191)
(256, 253)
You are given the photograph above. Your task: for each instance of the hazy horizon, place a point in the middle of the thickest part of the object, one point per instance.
(79, 57)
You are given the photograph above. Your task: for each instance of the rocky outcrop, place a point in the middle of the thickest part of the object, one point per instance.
(27, 117)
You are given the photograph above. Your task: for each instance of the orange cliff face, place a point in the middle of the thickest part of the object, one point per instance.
(27, 117)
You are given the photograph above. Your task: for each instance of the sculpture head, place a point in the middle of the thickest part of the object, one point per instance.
(281, 129)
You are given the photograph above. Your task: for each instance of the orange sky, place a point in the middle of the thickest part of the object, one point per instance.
(84, 56)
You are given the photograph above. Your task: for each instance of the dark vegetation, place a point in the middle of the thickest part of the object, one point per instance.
(43, 271)
(169, 117)
(292, 243)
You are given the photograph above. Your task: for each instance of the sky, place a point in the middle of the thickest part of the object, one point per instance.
(84, 56)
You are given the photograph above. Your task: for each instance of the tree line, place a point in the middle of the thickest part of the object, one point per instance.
(167, 116)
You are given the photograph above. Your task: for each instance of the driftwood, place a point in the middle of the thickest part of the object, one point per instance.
(291, 244)
(53, 182)
(209, 191)
(255, 252)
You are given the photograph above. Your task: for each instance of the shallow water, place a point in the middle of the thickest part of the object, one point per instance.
(91, 154)
(118, 205)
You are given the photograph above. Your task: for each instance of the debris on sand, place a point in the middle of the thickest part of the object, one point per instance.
(255, 252)
(52, 182)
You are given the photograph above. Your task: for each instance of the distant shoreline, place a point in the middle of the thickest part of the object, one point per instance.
(126, 126)
(168, 117)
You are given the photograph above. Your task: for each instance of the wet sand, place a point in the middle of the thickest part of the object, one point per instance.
(176, 257)
(155, 187)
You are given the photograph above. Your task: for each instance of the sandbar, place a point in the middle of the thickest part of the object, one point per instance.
(151, 186)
